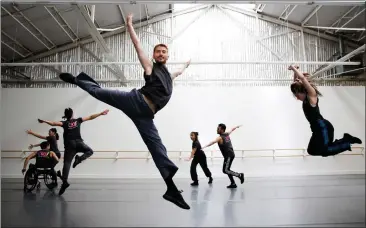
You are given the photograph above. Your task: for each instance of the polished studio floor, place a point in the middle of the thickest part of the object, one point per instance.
(332, 201)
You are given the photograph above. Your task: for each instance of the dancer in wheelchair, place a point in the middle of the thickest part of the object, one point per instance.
(51, 139)
(44, 159)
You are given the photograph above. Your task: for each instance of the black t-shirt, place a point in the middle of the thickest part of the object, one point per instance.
(196, 144)
(53, 144)
(72, 129)
(312, 114)
(158, 86)
(44, 159)
(226, 147)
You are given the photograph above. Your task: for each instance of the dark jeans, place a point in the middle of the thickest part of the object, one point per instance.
(321, 142)
(228, 161)
(202, 160)
(134, 106)
(72, 147)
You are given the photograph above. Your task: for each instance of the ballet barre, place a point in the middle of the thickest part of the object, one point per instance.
(214, 154)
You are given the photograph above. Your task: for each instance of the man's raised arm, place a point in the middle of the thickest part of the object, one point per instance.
(144, 60)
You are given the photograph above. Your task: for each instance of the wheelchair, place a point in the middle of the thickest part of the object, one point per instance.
(34, 174)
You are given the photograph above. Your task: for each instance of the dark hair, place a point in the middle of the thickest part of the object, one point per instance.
(160, 45)
(54, 130)
(195, 134)
(222, 126)
(298, 87)
(44, 145)
(68, 113)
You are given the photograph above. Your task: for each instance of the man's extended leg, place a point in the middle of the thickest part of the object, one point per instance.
(118, 99)
(167, 168)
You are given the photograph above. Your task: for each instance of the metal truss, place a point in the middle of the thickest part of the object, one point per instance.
(26, 23)
(14, 45)
(287, 12)
(344, 58)
(52, 10)
(100, 41)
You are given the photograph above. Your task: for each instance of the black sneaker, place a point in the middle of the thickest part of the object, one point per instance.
(69, 78)
(64, 186)
(241, 177)
(210, 180)
(232, 186)
(195, 183)
(176, 198)
(352, 139)
(77, 161)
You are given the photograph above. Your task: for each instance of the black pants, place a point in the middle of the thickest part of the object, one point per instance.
(202, 160)
(321, 142)
(72, 147)
(226, 168)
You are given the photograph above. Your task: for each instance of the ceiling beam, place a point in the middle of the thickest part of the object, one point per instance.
(290, 25)
(146, 12)
(122, 14)
(285, 14)
(310, 15)
(52, 10)
(352, 18)
(31, 28)
(108, 34)
(344, 58)
(13, 49)
(99, 40)
(338, 21)
(14, 41)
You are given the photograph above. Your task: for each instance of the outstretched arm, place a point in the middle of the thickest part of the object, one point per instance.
(303, 79)
(33, 145)
(296, 78)
(233, 129)
(92, 117)
(30, 132)
(32, 155)
(51, 123)
(217, 140)
(179, 72)
(144, 60)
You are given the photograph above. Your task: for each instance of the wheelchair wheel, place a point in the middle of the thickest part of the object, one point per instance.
(50, 183)
(30, 180)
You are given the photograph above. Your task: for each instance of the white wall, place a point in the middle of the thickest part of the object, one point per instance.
(271, 118)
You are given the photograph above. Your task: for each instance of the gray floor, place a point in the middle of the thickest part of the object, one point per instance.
(330, 201)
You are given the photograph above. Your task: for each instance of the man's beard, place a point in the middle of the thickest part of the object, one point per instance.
(160, 61)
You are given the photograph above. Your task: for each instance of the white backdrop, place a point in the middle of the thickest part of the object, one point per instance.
(271, 117)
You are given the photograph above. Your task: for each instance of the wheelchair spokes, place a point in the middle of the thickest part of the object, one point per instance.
(30, 180)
